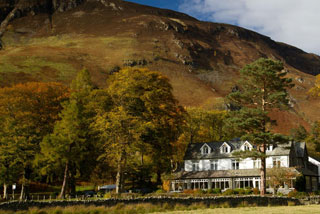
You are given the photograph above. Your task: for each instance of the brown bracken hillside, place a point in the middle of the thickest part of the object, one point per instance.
(202, 59)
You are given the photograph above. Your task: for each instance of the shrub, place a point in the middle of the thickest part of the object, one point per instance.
(160, 191)
(292, 194)
(228, 192)
(216, 191)
(188, 191)
(256, 191)
(248, 191)
(199, 192)
(107, 195)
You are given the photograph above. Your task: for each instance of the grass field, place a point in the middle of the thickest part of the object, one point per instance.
(165, 209)
(314, 209)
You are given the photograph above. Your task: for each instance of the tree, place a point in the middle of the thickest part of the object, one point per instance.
(205, 125)
(313, 140)
(144, 120)
(28, 112)
(278, 176)
(299, 134)
(263, 87)
(68, 144)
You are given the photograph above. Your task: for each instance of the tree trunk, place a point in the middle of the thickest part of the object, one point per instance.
(5, 191)
(158, 176)
(263, 172)
(22, 194)
(72, 181)
(5, 22)
(65, 181)
(119, 175)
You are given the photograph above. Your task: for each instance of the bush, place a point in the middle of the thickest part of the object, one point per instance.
(160, 191)
(296, 194)
(256, 191)
(188, 191)
(240, 191)
(216, 191)
(199, 192)
(107, 195)
(228, 192)
(248, 191)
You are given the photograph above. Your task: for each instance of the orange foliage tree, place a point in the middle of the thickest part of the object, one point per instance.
(27, 113)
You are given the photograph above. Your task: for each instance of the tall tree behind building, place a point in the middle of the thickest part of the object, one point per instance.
(263, 87)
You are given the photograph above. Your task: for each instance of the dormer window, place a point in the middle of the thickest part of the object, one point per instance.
(205, 149)
(225, 148)
(270, 148)
(246, 146)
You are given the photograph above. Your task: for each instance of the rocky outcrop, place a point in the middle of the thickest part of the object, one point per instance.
(11, 9)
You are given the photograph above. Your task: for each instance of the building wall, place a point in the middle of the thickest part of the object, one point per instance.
(226, 163)
(317, 163)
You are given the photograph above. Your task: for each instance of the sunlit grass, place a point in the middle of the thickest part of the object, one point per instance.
(168, 209)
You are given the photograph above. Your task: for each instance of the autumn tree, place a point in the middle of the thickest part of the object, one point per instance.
(313, 140)
(28, 112)
(278, 176)
(299, 133)
(204, 125)
(263, 87)
(68, 144)
(143, 121)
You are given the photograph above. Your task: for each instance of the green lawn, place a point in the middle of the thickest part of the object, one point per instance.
(147, 208)
(314, 209)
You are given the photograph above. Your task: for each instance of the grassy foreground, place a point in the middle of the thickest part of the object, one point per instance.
(167, 209)
(314, 209)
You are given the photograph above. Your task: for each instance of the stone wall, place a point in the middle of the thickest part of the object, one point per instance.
(209, 201)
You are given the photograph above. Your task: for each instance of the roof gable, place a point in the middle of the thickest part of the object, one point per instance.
(205, 149)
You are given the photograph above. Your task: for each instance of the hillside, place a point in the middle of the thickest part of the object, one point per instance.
(201, 59)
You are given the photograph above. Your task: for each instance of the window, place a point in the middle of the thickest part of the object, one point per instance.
(235, 164)
(276, 162)
(205, 150)
(269, 148)
(214, 164)
(195, 166)
(224, 149)
(246, 147)
(257, 164)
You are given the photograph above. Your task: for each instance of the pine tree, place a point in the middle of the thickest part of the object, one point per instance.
(263, 87)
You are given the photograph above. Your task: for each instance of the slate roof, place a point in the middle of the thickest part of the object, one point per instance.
(300, 149)
(230, 173)
(193, 151)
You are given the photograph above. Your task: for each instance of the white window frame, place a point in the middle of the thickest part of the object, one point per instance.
(195, 166)
(257, 163)
(205, 149)
(235, 164)
(225, 148)
(276, 161)
(213, 164)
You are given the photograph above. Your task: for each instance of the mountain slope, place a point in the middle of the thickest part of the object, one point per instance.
(201, 59)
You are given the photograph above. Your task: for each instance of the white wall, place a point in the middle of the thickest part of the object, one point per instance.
(226, 164)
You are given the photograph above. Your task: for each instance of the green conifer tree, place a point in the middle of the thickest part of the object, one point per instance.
(68, 144)
(263, 87)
